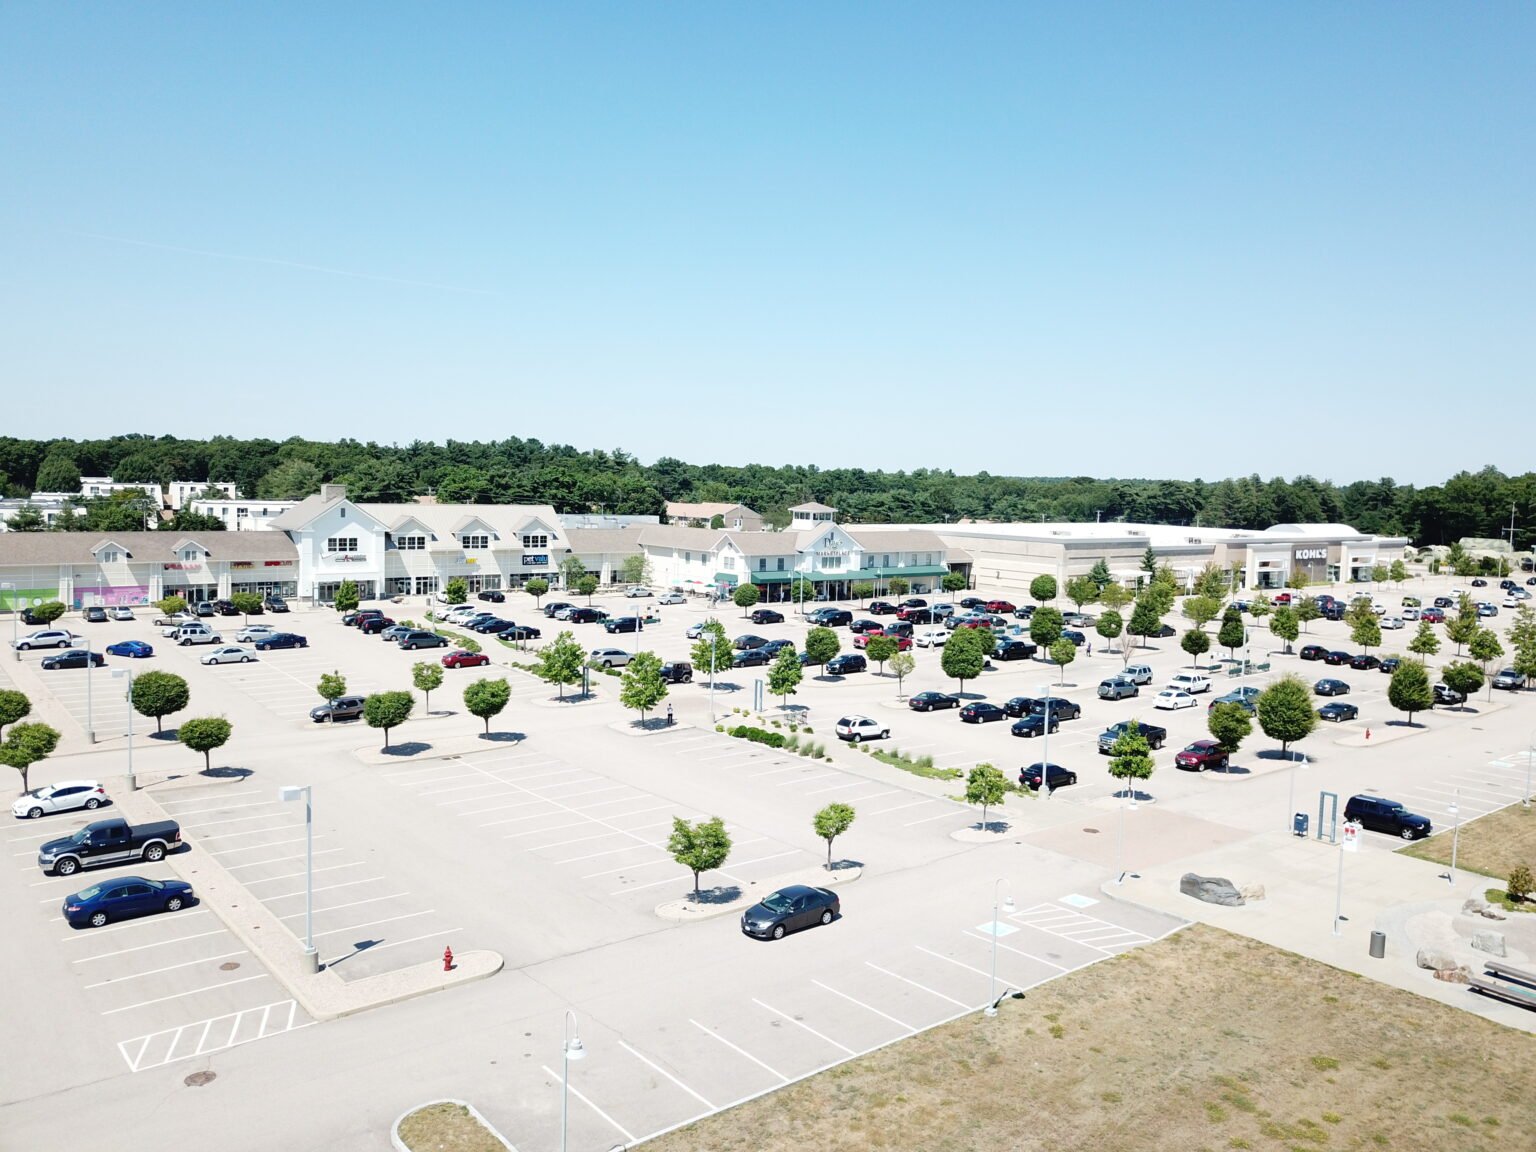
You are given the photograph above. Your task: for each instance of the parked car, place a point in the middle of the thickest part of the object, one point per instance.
(519, 632)
(1339, 711)
(275, 604)
(637, 592)
(1379, 814)
(196, 634)
(1479, 582)
(790, 909)
(1034, 725)
(341, 708)
(1200, 755)
(1078, 638)
(1391, 623)
(1056, 707)
(1313, 652)
(1338, 658)
(1172, 699)
(73, 658)
(373, 625)
(479, 619)
(586, 616)
(281, 640)
(609, 657)
(227, 654)
(881, 608)
(672, 597)
(1364, 662)
(1190, 682)
(390, 635)
(1055, 775)
(1445, 694)
(1118, 688)
(553, 608)
(108, 842)
(48, 638)
(981, 712)
(902, 642)
(120, 612)
(254, 632)
(1389, 665)
(846, 664)
(830, 617)
(751, 658)
(65, 796)
(204, 608)
(914, 602)
(1014, 650)
(767, 616)
(1410, 614)
(622, 624)
(134, 649)
(463, 658)
(860, 728)
(677, 672)
(1509, 680)
(931, 638)
(421, 638)
(124, 897)
(487, 624)
(899, 628)
(932, 701)
(1138, 673)
(1432, 616)
(748, 640)
(1246, 697)
(1444, 602)
(1021, 705)
(999, 606)
(95, 614)
(492, 596)
(1330, 687)
(227, 608)
(918, 616)
(1154, 736)
(859, 627)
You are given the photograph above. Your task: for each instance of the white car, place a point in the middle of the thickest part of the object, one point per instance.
(50, 638)
(61, 797)
(121, 612)
(254, 632)
(565, 613)
(228, 654)
(1172, 698)
(860, 728)
(1391, 622)
(695, 630)
(931, 638)
(1511, 601)
(461, 613)
(637, 591)
(1410, 613)
(609, 657)
(178, 622)
(672, 598)
(1378, 607)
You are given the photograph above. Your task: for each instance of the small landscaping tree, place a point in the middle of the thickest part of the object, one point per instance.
(1082, 590)
(830, 823)
(745, 596)
(963, 658)
(700, 847)
(50, 610)
(158, 694)
(1130, 758)
(586, 585)
(1398, 572)
(1306, 610)
(1146, 620)
(1115, 596)
(880, 649)
(1045, 627)
(1366, 632)
(25, 746)
(388, 710)
(426, 678)
(1229, 725)
(1484, 647)
(902, 664)
(1409, 689)
(785, 674)
(170, 605)
(1196, 643)
(633, 569)
(801, 590)
(538, 588)
(1063, 652)
(1201, 610)
(1462, 676)
(642, 686)
(898, 586)
(560, 663)
(862, 590)
(1042, 588)
(986, 786)
(1424, 643)
(204, 734)
(572, 569)
(332, 686)
(486, 699)
(246, 603)
(821, 644)
(712, 650)
(1520, 884)
(952, 582)
(1109, 625)
(1284, 625)
(1460, 628)
(1100, 574)
(346, 598)
(14, 707)
(1232, 635)
(1260, 606)
(1285, 711)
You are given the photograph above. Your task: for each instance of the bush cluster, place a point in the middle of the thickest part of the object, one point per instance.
(758, 736)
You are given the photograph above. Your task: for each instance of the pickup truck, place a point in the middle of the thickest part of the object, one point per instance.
(1154, 736)
(108, 842)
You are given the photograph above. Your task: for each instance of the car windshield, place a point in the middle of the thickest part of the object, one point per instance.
(81, 837)
(87, 893)
(777, 902)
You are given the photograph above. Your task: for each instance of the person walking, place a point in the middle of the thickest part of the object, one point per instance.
(669, 715)
(1090, 647)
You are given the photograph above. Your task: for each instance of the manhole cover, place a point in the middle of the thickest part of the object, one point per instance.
(1091, 831)
(229, 966)
(198, 1079)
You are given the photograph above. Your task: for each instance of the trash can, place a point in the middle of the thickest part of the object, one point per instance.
(1378, 944)
(1299, 824)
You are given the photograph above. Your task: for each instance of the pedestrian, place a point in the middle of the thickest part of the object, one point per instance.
(669, 715)
(1090, 647)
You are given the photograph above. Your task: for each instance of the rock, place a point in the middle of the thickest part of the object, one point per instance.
(1492, 913)
(1475, 906)
(1435, 958)
(1460, 975)
(1252, 891)
(1211, 889)
(1489, 941)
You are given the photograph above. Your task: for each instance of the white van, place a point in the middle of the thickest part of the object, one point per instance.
(196, 634)
(1190, 682)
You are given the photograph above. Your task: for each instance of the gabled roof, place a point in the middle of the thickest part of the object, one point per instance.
(186, 541)
(43, 548)
(408, 521)
(470, 519)
(812, 506)
(109, 542)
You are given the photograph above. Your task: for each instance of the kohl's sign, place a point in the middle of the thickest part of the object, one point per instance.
(1311, 553)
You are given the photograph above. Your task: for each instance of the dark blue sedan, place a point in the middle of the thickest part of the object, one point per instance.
(133, 648)
(281, 640)
(124, 897)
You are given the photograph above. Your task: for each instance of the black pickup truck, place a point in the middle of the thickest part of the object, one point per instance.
(1151, 733)
(108, 842)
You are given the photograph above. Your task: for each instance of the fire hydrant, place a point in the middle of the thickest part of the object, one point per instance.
(1367, 733)
(447, 959)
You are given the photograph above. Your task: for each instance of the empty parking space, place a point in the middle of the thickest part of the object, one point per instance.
(1475, 791)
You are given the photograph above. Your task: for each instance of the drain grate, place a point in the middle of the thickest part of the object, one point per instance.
(1091, 831)
(198, 1079)
(229, 965)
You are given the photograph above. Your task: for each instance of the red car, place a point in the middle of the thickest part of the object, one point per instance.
(1283, 598)
(1200, 755)
(1432, 616)
(1001, 607)
(373, 625)
(862, 640)
(459, 658)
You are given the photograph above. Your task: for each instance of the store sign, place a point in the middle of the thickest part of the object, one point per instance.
(240, 563)
(535, 561)
(277, 563)
(349, 558)
(1311, 553)
(182, 566)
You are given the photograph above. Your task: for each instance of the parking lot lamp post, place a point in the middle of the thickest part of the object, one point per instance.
(1045, 747)
(133, 783)
(1120, 837)
(15, 615)
(90, 725)
(296, 792)
(1454, 811)
(1006, 906)
(570, 1050)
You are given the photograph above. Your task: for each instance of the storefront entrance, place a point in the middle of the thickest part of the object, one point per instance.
(325, 593)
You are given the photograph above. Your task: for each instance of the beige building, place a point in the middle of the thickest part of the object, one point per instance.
(734, 517)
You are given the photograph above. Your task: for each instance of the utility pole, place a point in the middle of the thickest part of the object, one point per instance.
(1510, 531)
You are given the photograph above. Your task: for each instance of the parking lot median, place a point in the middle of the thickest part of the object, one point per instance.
(731, 899)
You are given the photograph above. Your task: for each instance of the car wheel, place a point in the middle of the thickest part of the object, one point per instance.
(155, 852)
(93, 803)
(173, 904)
(857, 738)
(778, 932)
(98, 919)
(34, 814)
(62, 644)
(66, 867)
(24, 647)
(245, 659)
(1072, 778)
(885, 734)
(1407, 834)
(826, 916)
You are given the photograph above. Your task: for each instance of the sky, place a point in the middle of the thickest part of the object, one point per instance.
(1085, 239)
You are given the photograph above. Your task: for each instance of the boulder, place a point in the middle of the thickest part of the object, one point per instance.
(1435, 958)
(1462, 975)
(1252, 891)
(1489, 941)
(1211, 889)
(1475, 906)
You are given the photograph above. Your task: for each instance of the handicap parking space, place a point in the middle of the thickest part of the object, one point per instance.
(1475, 790)
(366, 920)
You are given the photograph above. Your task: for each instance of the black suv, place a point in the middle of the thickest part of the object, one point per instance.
(846, 663)
(586, 616)
(677, 672)
(554, 606)
(1313, 652)
(342, 708)
(1380, 815)
(767, 616)
(275, 604)
(1056, 707)
(831, 617)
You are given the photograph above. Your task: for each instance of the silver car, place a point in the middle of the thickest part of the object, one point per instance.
(610, 657)
(228, 654)
(121, 612)
(672, 598)
(254, 632)
(62, 797)
(52, 638)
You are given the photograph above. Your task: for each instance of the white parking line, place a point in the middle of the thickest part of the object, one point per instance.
(288, 826)
(915, 984)
(500, 808)
(148, 922)
(138, 947)
(630, 868)
(812, 780)
(314, 872)
(198, 826)
(952, 960)
(188, 992)
(803, 1024)
(535, 831)
(610, 852)
(883, 1015)
(658, 1068)
(412, 940)
(258, 847)
(372, 923)
(281, 859)
(900, 807)
(764, 859)
(167, 968)
(575, 840)
(576, 1093)
(199, 799)
(1018, 951)
(352, 904)
(326, 888)
(738, 1050)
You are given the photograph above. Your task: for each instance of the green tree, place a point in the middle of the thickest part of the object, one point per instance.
(1484, 647)
(1306, 611)
(985, 785)
(963, 658)
(1379, 573)
(898, 586)
(1366, 632)
(204, 734)
(456, 591)
(427, 678)
(1229, 725)
(290, 480)
(830, 823)
(1213, 582)
(1149, 561)
(1130, 757)
(538, 588)
(25, 746)
(1409, 690)
(246, 603)
(1460, 628)
(1146, 620)
(712, 650)
(486, 699)
(586, 585)
(388, 710)
(1462, 676)
(642, 686)
(26, 519)
(862, 590)
(902, 664)
(158, 694)
(745, 596)
(635, 569)
(1297, 581)
(1045, 627)
(1522, 638)
(717, 521)
(785, 674)
(332, 686)
(700, 847)
(953, 582)
(1232, 635)
(1062, 653)
(48, 611)
(346, 597)
(14, 707)
(821, 644)
(1424, 643)
(1285, 711)
(1109, 625)
(1115, 597)
(1201, 610)
(1261, 606)
(170, 605)
(1100, 574)
(880, 649)
(58, 473)
(561, 662)
(1398, 572)
(1082, 590)
(572, 569)
(1042, 588)
(1196, 643)
(1283, 624)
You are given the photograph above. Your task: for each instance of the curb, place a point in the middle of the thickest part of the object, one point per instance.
(401, 1146)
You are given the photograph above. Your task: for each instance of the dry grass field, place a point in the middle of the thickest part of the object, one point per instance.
(1492, 845)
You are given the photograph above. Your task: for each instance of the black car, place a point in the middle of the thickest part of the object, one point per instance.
(1024, 612)
(767, 616)
(1339, 711)
(1056, 708)
(1020, 706)
(421, 639)
(519, 632)
(1479, 582)
(1327, 687)
(73, 658)
(774, 647)
(281, 640)
(1154, 736)
(1313, 652)
(1333, 611)
(898, 629)
(1077, 638)
(490, 625)
(586, 616)
(1382, 815)
(95, 615)
(554, 606)
(973, 602)
(370, 625)
(492, 596)
(1389, 665)
(622, 624)
(1014, 650)
(920, 616)
(1033, 725)
(830, 617)
(930, 701)
(1365, 662)
(677, 672)
(751, 658)
(30, 617)
(748, 641)
(1056, 776)
(846, 663)
(123, 897)
(980, 712)
(473, 622)
(914, 602)
(790, 909)
(227, 608)
(881, 608)
(275, 604)
(856, 627)
(341, 708)
(1338, 658)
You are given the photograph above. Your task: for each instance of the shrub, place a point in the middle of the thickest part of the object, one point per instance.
(1519, 885)
(758, 736)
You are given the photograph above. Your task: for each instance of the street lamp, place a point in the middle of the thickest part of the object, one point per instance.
(1045, 747)
(1007, 906)
(133, 783)
(15, 614)
(1120, 837)
(90, 664)
(1454, 811)
(304, 792)
(570, 1050)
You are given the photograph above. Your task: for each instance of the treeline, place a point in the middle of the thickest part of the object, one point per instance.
(528, 471)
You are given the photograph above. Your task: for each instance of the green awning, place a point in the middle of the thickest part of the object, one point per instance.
(906, 573)
(725, 578)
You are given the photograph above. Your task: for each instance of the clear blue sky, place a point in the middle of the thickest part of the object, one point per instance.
(1107, 239)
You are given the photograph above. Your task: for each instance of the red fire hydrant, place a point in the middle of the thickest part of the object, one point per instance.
(1367, 733)
(447, 959)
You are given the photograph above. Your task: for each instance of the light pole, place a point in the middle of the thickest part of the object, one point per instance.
(1045, 747)
(90, 664)
(133, 783)
(1007, 906)
(1454, 811)
(1120, 838)
(15, 615)
(570, 1050)
(304, 792)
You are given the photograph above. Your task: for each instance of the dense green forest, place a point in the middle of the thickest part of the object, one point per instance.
(527, 471)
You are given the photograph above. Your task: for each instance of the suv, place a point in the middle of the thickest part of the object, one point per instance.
(275, 604)
(1138, 673)
(860, 728)
(1153, 735)
(1313, 652)
(846, 663)
(1190, 682)
(1020, 650)
(586, 616)
(1381, 815)
(622, 624)
(831, 617)
(341, 708)
(1056, 708)
(1509, 679)
(677, 672)
(53, 638)
(1445, 694)
(609, 657)
(1200, 755)
(197, 634)
(1118, 688)
(421, 638)
(554, 606)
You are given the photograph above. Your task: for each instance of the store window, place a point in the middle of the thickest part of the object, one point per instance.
(425, 584)
(477, 541)
(341, 544)
(536, 541)
(411, 543)
(400, 585)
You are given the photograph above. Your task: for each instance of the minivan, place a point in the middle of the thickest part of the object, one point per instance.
(1190, 682)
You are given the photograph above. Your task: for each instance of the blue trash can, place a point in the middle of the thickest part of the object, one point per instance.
(1299, 824)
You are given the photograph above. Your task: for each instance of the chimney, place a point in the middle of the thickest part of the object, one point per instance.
(333, 491)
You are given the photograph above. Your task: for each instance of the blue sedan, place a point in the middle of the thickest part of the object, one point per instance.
(124, 897)
(134, 648)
